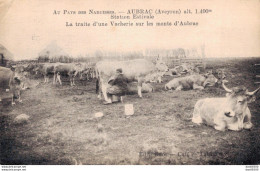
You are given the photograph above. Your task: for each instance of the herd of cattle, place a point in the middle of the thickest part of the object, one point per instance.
(230, 112)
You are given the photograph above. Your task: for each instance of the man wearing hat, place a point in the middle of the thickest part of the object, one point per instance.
(117, 86)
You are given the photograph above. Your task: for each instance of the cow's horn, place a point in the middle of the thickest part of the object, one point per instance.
(253, 92)
(227, 89)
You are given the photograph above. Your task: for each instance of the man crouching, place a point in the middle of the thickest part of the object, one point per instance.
(117, 87)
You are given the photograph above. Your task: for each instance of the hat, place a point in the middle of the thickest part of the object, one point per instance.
(119, 70)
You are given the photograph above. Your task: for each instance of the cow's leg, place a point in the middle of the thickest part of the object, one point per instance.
(195, 86)
(13, 102)
(73, 75)
(73, 79)
(19, 94)
(91, 75)
(47, 78)
(220, 126)
(234, 126)
(58, 78)
(87, 77)
(179, 88)
(54, 78)
(98, 89)
(104, 91)
(247, 124)
(139, 87)
(160, 79)
(241, 122)
(44, 76)
(196, 118)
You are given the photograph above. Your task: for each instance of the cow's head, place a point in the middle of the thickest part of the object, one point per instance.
(36, 69)
(17, 77)
(84, 74)
(211, 80)
(30, 67)
(220, 75)
(237, 102)
(162, 67)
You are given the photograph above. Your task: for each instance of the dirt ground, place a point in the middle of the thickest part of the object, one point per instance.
(63, 129)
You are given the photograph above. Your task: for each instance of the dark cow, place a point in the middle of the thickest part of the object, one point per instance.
(230, 112)
(134, 70)
(194, 81)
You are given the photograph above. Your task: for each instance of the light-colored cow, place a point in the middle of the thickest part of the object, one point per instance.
(230, 112)
(194, 81)
(133, 70)
(183, 69)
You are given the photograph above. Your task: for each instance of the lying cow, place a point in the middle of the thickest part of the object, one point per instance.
(133, 70)
(146, 88)
(10, 83)
(229, 112)
(194, 81)
(154, 77)
(183, 69)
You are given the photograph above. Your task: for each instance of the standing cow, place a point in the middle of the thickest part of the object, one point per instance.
(230, 112)
(70, 69)
(46, 69)
(133, 70)
(10, 83)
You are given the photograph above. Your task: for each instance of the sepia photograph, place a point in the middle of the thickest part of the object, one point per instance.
(148, 82)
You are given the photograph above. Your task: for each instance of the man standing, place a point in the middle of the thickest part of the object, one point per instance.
(117, 87)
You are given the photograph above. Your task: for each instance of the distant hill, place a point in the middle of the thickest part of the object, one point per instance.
(52, 51)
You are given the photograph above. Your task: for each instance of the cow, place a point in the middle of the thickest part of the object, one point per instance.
(70, 69)
(45, 69)
(146, 88)
(88, 74)
(154, 77)
(195, 81)
(86, 71)
(133, 70)
(31, 68)
(10, 83)
(230, 112)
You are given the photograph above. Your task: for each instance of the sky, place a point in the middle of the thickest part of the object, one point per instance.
(232, 29)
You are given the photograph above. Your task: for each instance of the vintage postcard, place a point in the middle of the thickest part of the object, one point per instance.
(148, 82)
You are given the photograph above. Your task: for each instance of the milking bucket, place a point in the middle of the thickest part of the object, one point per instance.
(129, 109)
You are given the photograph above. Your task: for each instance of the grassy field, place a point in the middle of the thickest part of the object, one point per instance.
(63, 129)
